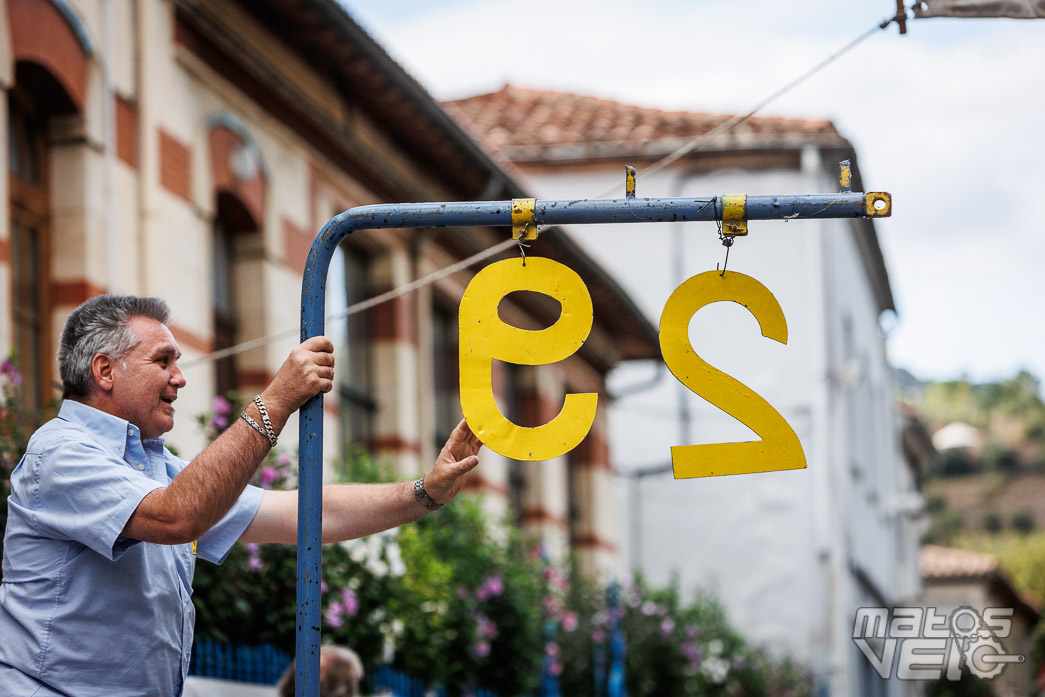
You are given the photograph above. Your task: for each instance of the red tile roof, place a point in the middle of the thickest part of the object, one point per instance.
(527, 123)
(949, 563)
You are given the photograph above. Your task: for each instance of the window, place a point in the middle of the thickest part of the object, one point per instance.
(29, 207)
(225, 324)
(347, 284)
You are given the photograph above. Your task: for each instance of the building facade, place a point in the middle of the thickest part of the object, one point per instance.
(792, 554)
(193, 150)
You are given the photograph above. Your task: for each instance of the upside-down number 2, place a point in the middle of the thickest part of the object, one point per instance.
(779, 448)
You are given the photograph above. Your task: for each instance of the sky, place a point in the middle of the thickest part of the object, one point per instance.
(949, 118)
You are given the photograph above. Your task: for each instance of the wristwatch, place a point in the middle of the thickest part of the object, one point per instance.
(422, 496)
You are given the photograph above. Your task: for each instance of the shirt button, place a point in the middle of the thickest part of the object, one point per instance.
(141, 466)
(130, 431)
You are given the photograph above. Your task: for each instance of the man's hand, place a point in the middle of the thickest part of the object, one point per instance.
(456, 459)
(308, 370)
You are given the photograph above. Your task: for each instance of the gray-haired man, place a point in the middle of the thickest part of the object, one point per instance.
(104, 523)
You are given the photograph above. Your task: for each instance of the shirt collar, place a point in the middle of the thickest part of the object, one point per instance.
(111, 431)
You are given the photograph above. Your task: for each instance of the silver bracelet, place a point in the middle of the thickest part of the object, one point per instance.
(269, 433)
(254, 424)
(422, 496)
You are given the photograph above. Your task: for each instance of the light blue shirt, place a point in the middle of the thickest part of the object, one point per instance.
(84, 611)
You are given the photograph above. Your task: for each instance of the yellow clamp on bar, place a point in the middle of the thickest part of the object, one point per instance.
(878, 204)
(734, 220)
(846, 178)
(524, 219)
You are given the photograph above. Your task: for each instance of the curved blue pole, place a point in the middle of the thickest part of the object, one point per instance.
(469, 214)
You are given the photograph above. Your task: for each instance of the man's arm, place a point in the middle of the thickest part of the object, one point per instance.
(356, 510)
(209, 485)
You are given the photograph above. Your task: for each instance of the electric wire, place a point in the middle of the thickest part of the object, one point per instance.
(356, 308)
(694, 144)
(700, 141)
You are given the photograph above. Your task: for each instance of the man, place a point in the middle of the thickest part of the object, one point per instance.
(340, 672)
(105, 524)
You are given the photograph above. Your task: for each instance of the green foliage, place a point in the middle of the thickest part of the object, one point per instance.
(992, 522)
(1021, 557)
(943, 527)
(16, 425)
(997, 458)
(1023, 521)
(673, 647)
(464, 601)
(953, 462)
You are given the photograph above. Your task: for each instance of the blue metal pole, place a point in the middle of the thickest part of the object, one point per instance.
(477, 214)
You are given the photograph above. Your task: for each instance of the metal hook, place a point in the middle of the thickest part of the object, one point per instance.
(727, 242)
(522, 250)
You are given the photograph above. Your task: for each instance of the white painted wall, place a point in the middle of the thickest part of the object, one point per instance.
(778, 548)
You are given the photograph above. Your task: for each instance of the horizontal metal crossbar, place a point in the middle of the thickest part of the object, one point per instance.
(485, 214)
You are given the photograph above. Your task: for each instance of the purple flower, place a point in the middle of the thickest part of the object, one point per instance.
(323, 586)
(10, 370)
(494, 585)
(351, 602)
(692, 631)
(283, 460)
(481, 594)
(334, 616)
(598, 636)
(254, 560)
(635, 598)
(649, 608)
(219, 422)
(268, 475)
(482, 649)
(667, 626)
(221, 406)
(691, 652)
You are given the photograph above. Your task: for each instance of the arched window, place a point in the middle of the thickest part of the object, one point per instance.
(232, 222)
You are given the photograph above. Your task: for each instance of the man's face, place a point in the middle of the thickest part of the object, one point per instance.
(146, 381)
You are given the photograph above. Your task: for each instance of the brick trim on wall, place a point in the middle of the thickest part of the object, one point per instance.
(175, 166)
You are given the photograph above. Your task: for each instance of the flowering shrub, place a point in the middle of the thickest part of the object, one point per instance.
(671, 647)
(16, 425)
(445, 600)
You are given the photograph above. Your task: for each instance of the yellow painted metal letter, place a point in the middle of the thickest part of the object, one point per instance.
(484, 338)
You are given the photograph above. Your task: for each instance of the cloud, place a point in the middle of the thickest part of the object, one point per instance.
(946, 118)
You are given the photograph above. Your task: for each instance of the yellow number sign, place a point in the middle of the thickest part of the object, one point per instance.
(779, 448)
(485, 338)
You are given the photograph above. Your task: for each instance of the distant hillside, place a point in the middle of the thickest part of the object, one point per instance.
(989, 471)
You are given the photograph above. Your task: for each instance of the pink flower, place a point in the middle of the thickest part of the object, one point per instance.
(569, 621)
(323, 586)
(598, 636)
(221, 406)
(649, 608)
(11, 371)
(667, 626)
(334, 616)
(351, 602)
(482, 649)
(268, 475)
(283, 460)
(494, 585)
(555, 668)
(254, 560)
(552, 649)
